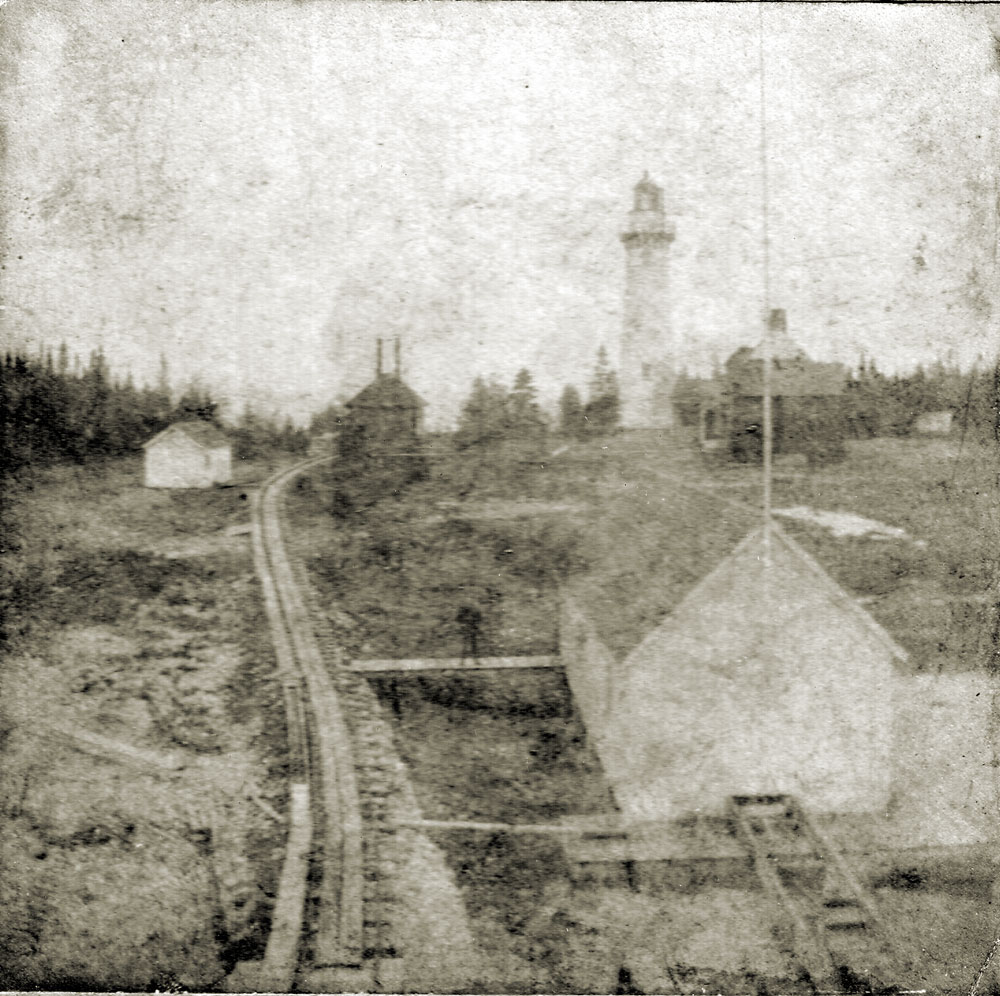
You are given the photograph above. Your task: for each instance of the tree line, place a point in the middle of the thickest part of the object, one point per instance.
(494, 414)
(52, 412)
(878, 404)
(875, 403)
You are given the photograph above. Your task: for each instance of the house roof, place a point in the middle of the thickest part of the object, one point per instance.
(203, 433)
(386, 391)
(793, 374)
(645, 550)
(808, 569)
(650, 553)
(781, 347)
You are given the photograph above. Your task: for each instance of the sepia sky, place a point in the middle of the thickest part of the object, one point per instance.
(260, 189)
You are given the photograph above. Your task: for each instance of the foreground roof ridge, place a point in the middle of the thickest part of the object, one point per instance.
(840, 594)
(198, 431)
(832, 589)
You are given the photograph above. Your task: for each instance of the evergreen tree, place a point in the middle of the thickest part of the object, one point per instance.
(330, 419)
(94, 399)
(485, 416)
(196, 404)
(293, 440)
(526, 420)
(571, 423)
(602, 411)
(159, 407)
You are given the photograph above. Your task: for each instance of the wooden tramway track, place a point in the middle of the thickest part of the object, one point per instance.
(832, 922)
(324, 814)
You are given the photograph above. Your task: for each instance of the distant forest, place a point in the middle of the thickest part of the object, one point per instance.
(52, 413)
(879, 404)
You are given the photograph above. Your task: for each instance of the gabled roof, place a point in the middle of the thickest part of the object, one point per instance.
(753, 544)
(386, 391)
(646, 548)
(793, 373)
(652, 554)
(781, 346)
(205, 434)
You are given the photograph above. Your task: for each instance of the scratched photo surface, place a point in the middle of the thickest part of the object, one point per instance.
(499, 498)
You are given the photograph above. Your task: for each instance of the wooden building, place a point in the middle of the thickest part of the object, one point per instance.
(191, 454)
(763, 678)
(933, 423)
(807, 402)
(379, 447)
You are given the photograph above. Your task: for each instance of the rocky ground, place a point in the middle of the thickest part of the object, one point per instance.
(142, 738)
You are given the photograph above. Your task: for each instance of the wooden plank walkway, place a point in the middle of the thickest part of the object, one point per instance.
(281, 956)
(454, 664)
(539, 828)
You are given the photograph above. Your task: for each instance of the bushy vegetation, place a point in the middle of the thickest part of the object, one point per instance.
(52, 412)
(129, 613)
(405, 583)
(256, 436)
(492, 414)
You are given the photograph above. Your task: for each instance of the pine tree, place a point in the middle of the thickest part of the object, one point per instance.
(196, 404)
(485, 416)
(602, 410)
(571, 423)
(96, 393)
(525, 418)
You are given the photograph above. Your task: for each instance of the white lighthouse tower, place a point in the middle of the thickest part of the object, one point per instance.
(647, 369)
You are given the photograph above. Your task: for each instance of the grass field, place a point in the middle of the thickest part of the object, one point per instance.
(632, 506)
(132, 615)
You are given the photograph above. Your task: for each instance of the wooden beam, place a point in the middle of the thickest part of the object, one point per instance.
(115, 750)
(454, 664)
(543, 828)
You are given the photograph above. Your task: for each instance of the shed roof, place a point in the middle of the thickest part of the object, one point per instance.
(645, 549)
(386, 391)
(807, 569)
(651, 552)
(206, 435)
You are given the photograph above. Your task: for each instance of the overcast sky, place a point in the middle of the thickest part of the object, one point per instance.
(260, 189)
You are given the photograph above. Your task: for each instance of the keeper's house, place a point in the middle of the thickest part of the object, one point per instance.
(187, 455)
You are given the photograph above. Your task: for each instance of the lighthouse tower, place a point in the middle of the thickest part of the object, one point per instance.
(647, 369)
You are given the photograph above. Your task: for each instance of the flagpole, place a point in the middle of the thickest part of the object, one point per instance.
(766, 351)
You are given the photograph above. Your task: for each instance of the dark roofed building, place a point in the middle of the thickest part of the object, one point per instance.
(379, 448)
(386, 407)
(384, 416)
(807, 399)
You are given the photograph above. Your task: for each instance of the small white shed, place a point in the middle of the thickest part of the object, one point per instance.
(933, 424)
(187, 455)
(322, 445)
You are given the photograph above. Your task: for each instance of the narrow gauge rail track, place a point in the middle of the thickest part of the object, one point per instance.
(322, 868)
